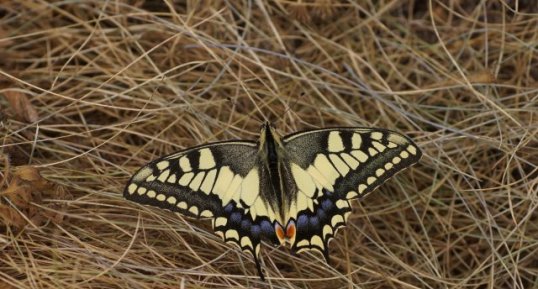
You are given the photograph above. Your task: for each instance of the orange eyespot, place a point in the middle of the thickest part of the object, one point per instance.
(290, 230)
(285, 236)
(280, 233)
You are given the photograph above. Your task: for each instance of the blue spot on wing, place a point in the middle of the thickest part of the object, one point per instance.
(236, 217)
(255, 230)
(327, 205)
(314, 223)
(229, 208)
(302, 221)
(266, 227)
(246, 225)
(321, 214)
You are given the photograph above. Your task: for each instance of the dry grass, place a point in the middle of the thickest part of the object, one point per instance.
(93, 90)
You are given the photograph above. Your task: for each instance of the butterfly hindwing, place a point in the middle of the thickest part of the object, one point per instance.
(316, 227)
(330, 167)
(222, 181)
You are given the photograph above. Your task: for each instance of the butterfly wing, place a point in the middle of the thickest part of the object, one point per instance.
(330, 167)
(223, 181)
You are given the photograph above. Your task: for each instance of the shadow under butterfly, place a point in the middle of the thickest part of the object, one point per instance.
(293, 190)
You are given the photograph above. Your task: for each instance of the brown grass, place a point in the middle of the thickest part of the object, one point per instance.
(90, 91)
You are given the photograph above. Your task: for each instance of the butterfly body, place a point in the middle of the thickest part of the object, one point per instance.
(293, 190)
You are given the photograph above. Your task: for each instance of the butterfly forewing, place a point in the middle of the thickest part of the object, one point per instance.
(329, 167)
(223, 181)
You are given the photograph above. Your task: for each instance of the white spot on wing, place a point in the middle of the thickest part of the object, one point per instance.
(379, 146)
(335, 143)
(360, 156)
(350, 161)
(259, 209)
(206, 213)
(235, 185)
(356, 141)
(132, 188)
(319, 178)
(310, 204)
(292, 212)
(303, 180)
(246, 243)
(223, 181)
(185, 179)
(336, 219)
(340, 165)
(220, 221)
(194, 210)
(171, 200)
(172, 179)
(232, 234)
(342, 204)
(376, 135)
(164, 176)
(303, 243)
(379, 172)
(142, 174)
(327, 230)
(207, 161)
(302, 203)
(397, 139)
(162, 165)
(142, 190)
(185, 164)
(351, 195)
(316, 241)
(250, 187)
(208, 181)
(325, 167)
(197, 181)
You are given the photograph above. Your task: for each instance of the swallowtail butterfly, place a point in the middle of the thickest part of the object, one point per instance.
(294, 189)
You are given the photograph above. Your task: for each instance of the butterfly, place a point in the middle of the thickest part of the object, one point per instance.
(293, 190)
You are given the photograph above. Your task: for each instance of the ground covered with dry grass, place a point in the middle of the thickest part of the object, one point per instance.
(91, 90)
